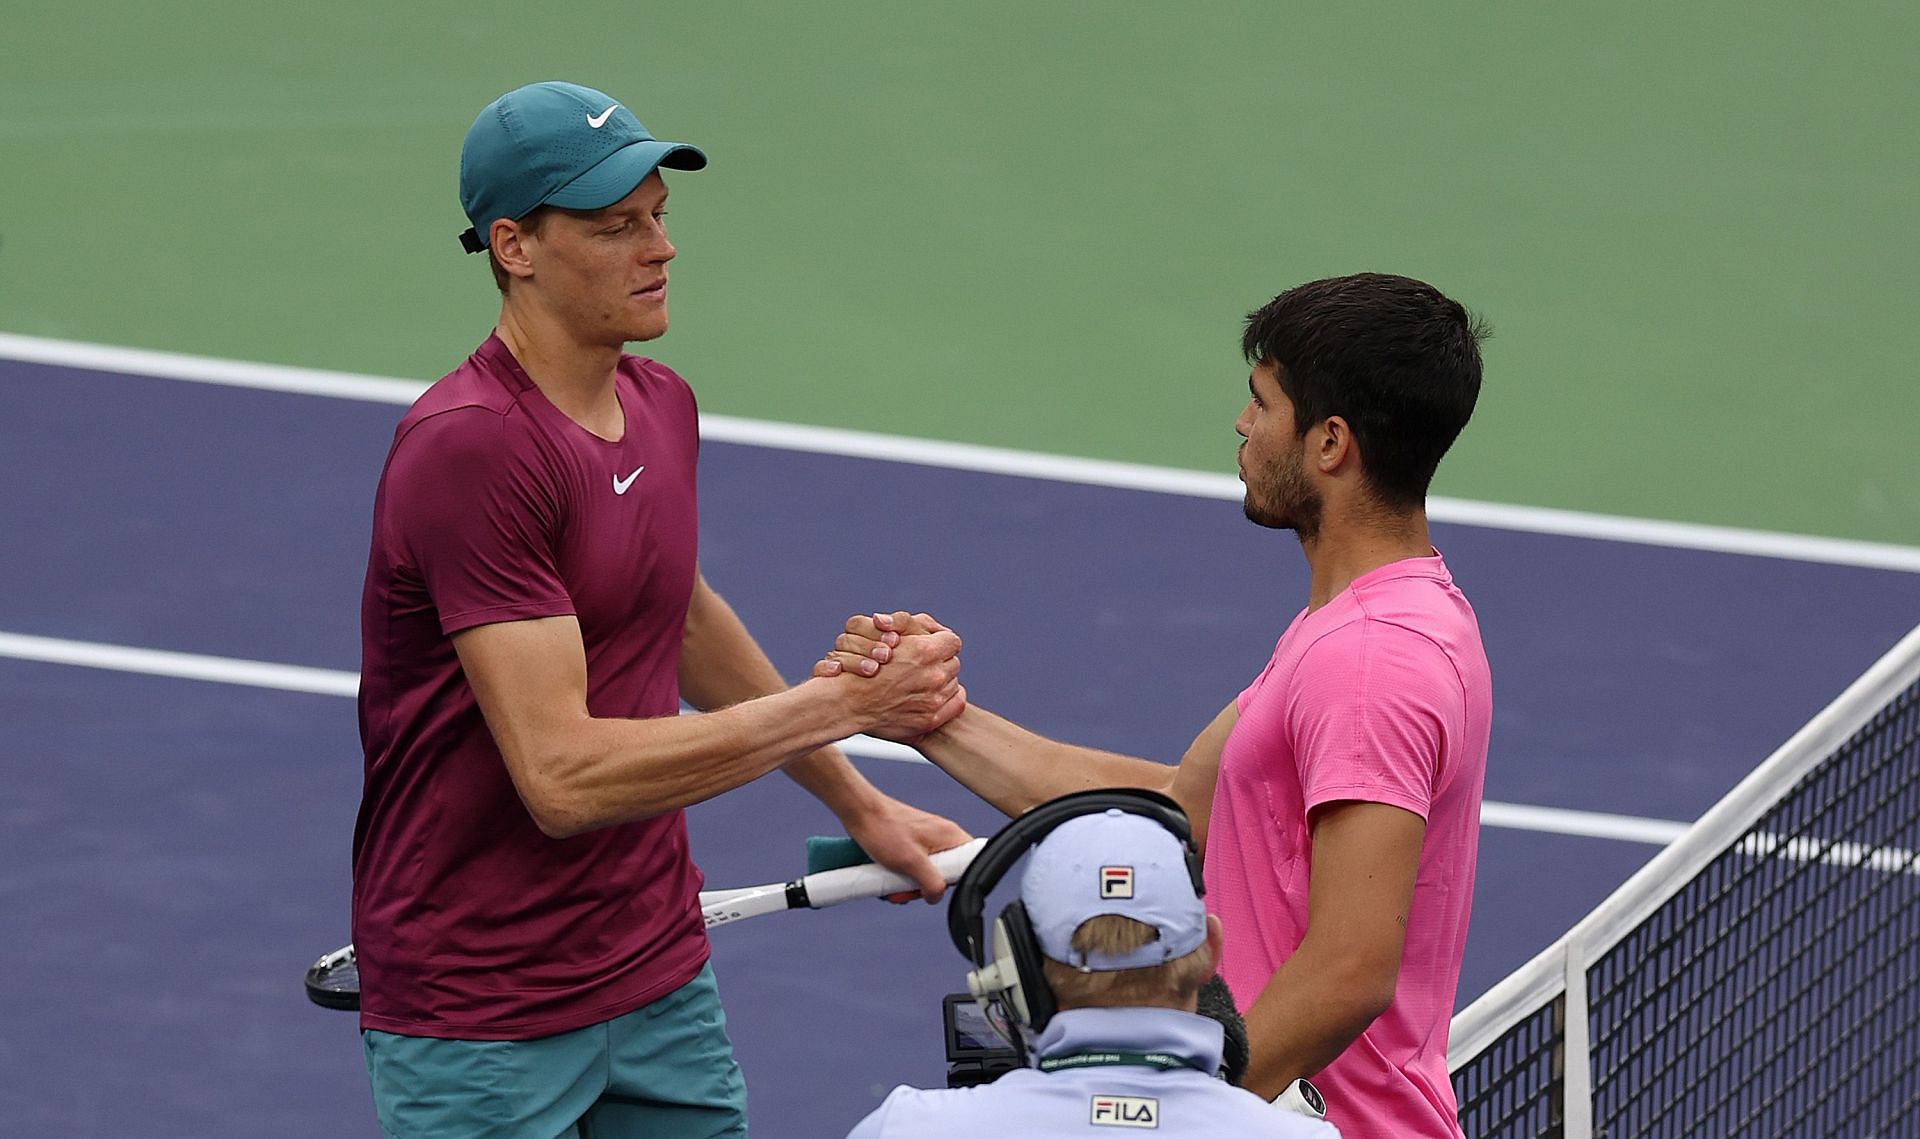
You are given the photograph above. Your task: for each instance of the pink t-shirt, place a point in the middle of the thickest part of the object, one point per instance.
(494, 506)
(1381, 695)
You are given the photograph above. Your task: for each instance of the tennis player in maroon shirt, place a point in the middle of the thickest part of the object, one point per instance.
(525, 910)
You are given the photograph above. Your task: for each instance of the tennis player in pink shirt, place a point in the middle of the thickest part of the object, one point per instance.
(1336, 798)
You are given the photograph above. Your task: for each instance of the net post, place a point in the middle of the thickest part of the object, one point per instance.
(1576, 1070)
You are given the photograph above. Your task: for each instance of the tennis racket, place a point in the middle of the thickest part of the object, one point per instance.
(334, 980)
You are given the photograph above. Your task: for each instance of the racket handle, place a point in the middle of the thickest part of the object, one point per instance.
(953, 863)
(831, 887)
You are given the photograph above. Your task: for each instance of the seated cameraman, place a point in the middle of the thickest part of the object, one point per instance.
(1098, 966)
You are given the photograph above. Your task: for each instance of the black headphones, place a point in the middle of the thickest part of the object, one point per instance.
(1008, 969)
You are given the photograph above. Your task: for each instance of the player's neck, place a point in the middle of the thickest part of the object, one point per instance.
(1353, 543)
(576, 377)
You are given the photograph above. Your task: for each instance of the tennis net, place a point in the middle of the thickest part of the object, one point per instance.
(1759, 977)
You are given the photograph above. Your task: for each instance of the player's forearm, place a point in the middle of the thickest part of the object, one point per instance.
(1014, 769)
(1312, 1009)
(828, 776)
(824, 773)
(721, 665)
(593, 773)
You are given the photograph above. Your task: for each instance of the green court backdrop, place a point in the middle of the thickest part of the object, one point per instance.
(1693, 227)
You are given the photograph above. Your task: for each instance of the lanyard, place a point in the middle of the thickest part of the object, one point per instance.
(1164, 1061)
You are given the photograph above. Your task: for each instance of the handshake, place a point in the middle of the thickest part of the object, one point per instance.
(899, 674)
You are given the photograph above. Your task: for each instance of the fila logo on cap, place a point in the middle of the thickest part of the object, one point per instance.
(1125, 1111)
(1116, 881)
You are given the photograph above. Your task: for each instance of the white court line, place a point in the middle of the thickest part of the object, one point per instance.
(183, 666)
(1586, 824)
(993, 460)
(336, 682)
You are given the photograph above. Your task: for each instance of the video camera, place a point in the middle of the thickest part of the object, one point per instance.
(976, 1054)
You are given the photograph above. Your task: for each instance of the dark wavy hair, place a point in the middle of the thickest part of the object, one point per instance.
(1394, 357)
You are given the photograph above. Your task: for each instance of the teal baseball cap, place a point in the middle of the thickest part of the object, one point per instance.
(556, 144)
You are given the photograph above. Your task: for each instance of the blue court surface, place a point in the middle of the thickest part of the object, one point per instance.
(173, 852)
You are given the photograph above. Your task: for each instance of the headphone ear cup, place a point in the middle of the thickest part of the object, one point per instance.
(1015, 930)
(998, 978)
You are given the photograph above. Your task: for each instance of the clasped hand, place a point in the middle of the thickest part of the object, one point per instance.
(904, 666)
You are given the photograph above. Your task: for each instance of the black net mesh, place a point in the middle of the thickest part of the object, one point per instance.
(1777, 993)
(1512, 1088)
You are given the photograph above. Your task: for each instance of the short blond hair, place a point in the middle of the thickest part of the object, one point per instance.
(1172, 983)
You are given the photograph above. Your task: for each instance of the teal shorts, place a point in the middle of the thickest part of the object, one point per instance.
(663, 1069)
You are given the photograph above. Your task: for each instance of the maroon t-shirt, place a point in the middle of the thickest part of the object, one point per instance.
(494, 506)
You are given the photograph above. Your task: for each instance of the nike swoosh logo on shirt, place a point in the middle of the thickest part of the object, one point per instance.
(600, 120)
(620, 485)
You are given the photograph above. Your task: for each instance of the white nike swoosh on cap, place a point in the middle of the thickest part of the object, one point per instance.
(600, 120)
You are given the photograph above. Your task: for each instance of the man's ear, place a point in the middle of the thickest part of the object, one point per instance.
(509, 248)
(1216, 938)
(1332, 445)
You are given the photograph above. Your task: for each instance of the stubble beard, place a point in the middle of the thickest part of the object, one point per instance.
(1280, 498)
